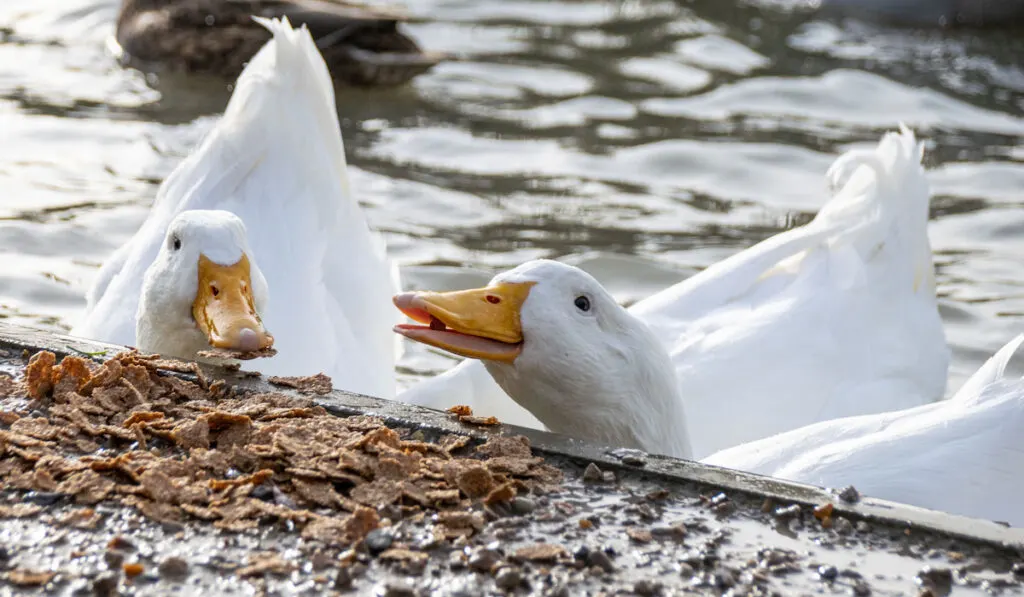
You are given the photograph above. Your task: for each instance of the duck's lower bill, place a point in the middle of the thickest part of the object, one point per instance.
(480, 323)
(224, 309)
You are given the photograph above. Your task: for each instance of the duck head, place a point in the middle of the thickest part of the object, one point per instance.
(554, 339)
(203, 290)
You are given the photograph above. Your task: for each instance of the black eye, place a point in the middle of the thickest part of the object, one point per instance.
(582, 303)
(175, 242)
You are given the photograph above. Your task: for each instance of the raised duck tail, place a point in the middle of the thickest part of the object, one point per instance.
(883, 195)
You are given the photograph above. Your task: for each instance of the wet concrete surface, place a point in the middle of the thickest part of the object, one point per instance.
(631, 524)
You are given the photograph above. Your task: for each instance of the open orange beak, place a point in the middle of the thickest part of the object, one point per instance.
(480, 324)
(224, 309)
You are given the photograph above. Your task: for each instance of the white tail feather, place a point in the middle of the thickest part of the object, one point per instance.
(992, 371)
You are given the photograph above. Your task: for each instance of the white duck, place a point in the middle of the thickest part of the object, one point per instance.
(204, 289)
(832, 319)
(276, 160)
(964, 455)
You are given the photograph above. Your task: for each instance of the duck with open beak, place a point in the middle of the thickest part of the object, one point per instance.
(224, 308)
(481, 323)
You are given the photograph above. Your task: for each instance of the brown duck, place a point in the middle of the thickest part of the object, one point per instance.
(362, 46)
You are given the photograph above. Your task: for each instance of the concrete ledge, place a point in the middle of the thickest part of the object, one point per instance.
(710, 479)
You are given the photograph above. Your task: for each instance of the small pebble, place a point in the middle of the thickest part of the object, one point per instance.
(601, 560)
(558, 590)
(863, 527)
(861, 590)
(508, 578)
(686, 570)
(263, 492)
(113, 559)
(1018, 569)
(634, 460)
(849, 494)
(723, 578)
(608, 477)
(828, 572)
(43, 498)
(105, 585)
(343, 581)
(842, 526)
(592, 474)
(173, 568)
(937, 578)
(484, 560)
(320, 561)
(724, 509)
(378, 540)
(522, 505)
(582, 553)
(677, 531)
(647, 588)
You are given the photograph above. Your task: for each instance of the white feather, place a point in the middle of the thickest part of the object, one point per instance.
(964, 455)
(832, 319)
(276, 160)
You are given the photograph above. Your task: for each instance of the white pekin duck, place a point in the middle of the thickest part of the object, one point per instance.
(832, 319)
(963, 455)
(276, 160)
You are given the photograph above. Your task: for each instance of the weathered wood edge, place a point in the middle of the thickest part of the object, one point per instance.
(339, 402)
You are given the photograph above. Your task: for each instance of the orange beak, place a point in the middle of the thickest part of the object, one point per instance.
(224, 309)
(480, 324)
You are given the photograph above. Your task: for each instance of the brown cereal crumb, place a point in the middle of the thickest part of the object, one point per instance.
(24, 577)
(310, 384)
(483, 421)
(20, 511)
(221, 353)
(179, 450)
(541, 552)
(39, 374)
(267, 563)
(502, 493)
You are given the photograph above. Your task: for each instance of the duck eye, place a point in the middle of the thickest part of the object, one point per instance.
(582, 303)
(493, 299)
(175, 242)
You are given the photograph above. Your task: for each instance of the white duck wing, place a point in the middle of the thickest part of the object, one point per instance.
(276, 160)
(964, 455)
(836, 318)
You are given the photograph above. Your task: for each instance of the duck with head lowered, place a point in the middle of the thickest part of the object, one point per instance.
(835, 318)
(363, 46)
(276, 161)
(204, 290)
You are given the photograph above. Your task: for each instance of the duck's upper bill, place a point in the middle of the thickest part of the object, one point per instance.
(482, 323)
(224, 308)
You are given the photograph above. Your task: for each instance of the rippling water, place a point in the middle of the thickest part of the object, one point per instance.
(642, 141)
